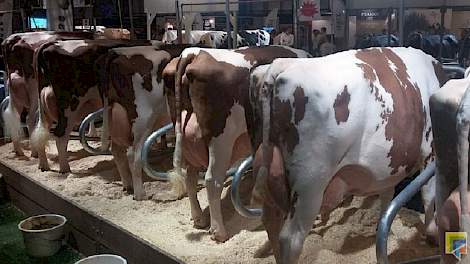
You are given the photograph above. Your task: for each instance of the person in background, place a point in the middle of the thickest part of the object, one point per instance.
(286, 38)
(315, 47)
(272, 36)
(327, 48)
(323, 37)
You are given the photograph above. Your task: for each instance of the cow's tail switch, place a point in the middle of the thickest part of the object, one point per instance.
(40, 135)
(12, 121)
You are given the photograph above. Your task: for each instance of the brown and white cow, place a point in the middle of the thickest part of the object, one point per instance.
(68, 76)
(353, 123)
(211, 91)
(134, 77)
(450, 113)
(18, 50)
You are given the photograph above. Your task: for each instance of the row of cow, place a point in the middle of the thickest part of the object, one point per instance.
(353, 123)
(218, 39)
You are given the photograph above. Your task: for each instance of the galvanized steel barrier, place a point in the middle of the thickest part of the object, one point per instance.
(104, 149)
(397, 203)
(235, 192)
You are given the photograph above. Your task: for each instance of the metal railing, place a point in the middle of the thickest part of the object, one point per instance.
(235, 192)
(397, 203)
(104, 149)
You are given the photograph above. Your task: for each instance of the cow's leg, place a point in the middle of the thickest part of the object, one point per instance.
(273, 220)
(92, 130)
(428, 193)
(122, 164)
(385, 198)
(220, 152)
(30, 121)
(62, 153)
(191, 186)
(305, 205)
(135, 163)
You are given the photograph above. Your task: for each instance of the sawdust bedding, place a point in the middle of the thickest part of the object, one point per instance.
(347, 237)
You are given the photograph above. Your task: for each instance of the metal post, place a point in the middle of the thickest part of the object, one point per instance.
(398, 202)
(227, 16)
(178, 23)
(346, 26)
(401, 18)
(295, 6)
(441, 30)
(131, 17)
(389, 27)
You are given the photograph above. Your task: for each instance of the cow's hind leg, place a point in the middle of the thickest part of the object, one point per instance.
(122, 164)
(135, 163)
(191, 186)
(428, 196)
(305, 205)
(63, 156)
(30, 121)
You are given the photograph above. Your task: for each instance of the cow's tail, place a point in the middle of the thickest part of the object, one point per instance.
(41, 134)
(463, 129)
(258, 193)
(177, 175)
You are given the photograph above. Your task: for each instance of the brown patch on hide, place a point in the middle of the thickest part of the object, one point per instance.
(404, 125)
(341, 105)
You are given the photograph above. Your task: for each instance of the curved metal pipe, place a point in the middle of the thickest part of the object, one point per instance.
(3, 107)
(82, 131)
(161, 176)
(235, 193)
(398, 202)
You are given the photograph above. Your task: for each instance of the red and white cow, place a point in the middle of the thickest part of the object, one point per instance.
(450, 112)
(353, 123)
(18, 50)
(210, 105)
(134, 86)
(69, 76)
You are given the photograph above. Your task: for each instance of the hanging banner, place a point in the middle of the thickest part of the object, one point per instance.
(309, 10)
(59, 15)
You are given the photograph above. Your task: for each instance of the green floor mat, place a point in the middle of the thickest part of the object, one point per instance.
(12, 249)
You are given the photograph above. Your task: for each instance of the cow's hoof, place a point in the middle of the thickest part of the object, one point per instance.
(219, 236)
(34, 154)
(19, 153)
(44, 168)
(65, 171)
(200, 222)
(140, 197)
(128, 190)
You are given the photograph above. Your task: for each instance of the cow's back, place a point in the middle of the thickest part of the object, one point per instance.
(366, 108)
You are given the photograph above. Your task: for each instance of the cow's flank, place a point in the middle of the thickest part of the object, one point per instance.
(403, 125)
(341, 105)
(228, 84)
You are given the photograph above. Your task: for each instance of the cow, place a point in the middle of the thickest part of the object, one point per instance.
(134, 87)
(171, 36)
(208, 107)
(218, 39)
(450, 113)
(68, 76)
(18, 50)
(326, 136)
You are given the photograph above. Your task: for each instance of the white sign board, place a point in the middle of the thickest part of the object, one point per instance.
(169, 6)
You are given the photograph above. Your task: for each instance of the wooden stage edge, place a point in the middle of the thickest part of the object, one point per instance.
(89, 233)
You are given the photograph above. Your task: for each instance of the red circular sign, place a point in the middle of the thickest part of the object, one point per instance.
(309, 9)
